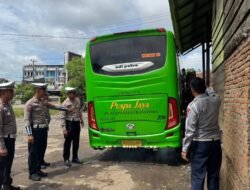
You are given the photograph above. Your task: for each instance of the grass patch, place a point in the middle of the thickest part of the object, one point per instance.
(19, 112)
(54, 112)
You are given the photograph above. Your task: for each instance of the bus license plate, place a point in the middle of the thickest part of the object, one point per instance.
(137, 143)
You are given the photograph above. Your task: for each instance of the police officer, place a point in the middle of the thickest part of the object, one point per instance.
(36, 124)
(71, 122)
(8, 131)
(45, 164)
(202, 137)
(36, 127)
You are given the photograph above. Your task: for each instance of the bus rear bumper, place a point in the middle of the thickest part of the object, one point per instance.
(169, 138)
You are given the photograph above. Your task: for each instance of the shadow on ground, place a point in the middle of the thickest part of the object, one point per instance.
(161, 156)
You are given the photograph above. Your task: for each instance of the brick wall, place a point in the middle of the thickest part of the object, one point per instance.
(235, 174)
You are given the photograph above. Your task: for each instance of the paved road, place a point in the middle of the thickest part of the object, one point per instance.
(121, 169)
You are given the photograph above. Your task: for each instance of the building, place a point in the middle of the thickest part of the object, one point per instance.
(223, 25)
(54, 75)
(68, 56)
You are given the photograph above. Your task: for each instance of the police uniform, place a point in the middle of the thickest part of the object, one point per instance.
(44, 146)
(8, 130)
(36, 125)
(202, 140)
(71, 122)
(47, 106)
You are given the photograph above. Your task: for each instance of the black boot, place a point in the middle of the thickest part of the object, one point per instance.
(35, 177)
(77, 161)
(46, 163)
(67, 163)
(42, 174)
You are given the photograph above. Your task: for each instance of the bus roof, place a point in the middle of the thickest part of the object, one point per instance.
(157, 31)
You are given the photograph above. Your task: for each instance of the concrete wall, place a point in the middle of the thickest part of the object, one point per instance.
(231, 68)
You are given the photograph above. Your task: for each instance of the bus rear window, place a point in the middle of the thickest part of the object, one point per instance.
(128, 56)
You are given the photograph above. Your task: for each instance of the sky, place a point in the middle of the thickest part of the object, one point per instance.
(44, 29)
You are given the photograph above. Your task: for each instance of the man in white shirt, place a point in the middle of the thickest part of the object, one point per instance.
(202, 137)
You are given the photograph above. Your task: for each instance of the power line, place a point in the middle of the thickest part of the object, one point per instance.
(76, 37)
(126, 24)
(40, 36)
(131, 21)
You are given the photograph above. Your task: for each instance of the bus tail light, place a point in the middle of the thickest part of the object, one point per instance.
(173, 119)
(93, 39)
(91, 116)
(161, 30)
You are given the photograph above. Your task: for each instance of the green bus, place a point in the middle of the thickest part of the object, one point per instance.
(132, 88)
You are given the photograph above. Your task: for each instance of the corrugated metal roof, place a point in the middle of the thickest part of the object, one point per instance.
(192, 22)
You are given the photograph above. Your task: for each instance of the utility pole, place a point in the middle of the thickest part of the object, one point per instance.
(33, 66)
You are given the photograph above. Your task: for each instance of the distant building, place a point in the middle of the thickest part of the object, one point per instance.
(68, 56)
(54, 75)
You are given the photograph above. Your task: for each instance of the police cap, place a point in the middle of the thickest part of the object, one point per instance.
(7, 85)
(40, 85)
(70, 89)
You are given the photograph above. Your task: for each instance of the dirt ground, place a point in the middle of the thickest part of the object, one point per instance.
(118, 169)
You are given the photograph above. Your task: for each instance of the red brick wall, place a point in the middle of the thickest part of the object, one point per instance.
(235, 174)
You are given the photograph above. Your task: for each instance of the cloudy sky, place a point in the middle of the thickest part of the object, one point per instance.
(45, 29)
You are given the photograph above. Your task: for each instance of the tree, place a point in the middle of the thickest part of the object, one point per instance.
(24, 92)
(76, 75)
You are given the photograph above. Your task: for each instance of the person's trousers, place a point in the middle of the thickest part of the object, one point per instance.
(36, 150)
(205, 161)
(73, 136)
(44, 146)
(6, 162)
